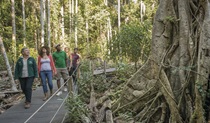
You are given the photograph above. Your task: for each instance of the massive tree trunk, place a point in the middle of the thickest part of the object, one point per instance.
(165, 88)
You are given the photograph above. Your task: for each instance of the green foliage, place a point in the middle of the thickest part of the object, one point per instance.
(124, 71)
(76, 105)
(132, 42)
(33, 52)
(77, 109)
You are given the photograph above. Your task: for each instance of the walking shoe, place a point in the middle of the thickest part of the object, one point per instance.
(65, 89)
(45, 97)
(59, 93)
(51, 92)
(27, 105)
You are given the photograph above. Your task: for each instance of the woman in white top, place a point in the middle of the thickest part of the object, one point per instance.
(46, 69)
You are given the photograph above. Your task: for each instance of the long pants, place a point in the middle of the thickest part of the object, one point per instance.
(74, 75)
(48, 75)
(26, 86)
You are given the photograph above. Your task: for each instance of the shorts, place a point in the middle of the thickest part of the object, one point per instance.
(62, 72)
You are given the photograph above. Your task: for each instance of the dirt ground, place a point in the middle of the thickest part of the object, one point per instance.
(8, 97)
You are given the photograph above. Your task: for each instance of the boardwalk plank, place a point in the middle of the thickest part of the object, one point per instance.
(17, 113)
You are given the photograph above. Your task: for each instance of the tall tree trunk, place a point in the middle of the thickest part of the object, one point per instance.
(70, 20)
(9, 71)
(24, 23)
(73, 18)
(48, 24)
(13, 32)
(142, 10)
(62, 22)
(76, 10)
(88, 43)
(165, 89)
(118, 9)
(42, 19)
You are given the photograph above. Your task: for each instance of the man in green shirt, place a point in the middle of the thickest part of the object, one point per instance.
(60, 59)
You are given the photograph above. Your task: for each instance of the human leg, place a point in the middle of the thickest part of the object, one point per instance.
(28, 91)
(49, 79)
(43, 75)
(23, 85)
(58, 77)
(29, 83)
(65, 76)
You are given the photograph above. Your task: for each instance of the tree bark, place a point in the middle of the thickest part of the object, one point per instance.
(24, 23)
(48, 24)
(9, 71)
(13, 31)
(42, 19)
(76, 11)
(165, 87)
(62, 22)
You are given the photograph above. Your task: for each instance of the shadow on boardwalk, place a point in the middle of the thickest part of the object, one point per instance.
(18, 114)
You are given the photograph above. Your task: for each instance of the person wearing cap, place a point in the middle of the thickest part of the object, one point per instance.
(26, 73)
(60, 60)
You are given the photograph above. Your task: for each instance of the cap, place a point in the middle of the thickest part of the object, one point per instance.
(57, 45)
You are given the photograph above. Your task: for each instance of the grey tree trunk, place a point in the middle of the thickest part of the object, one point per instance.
(48, 24)
(9, 71)
(171, 86)
(142, 10)
(118, 9)
(88, 43)
(62, 22)
(24, 23)
(13, 32)
(42, 19)
(76, 10)
(70, 20)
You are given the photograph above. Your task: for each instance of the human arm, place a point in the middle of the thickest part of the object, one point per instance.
(16, 71)
(35, 68)
(70, 58)
(53, 65)
(39, 64)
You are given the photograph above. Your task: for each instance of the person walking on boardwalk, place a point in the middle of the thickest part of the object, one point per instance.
(66, 49)
(60, 59)
(68, 53)
(26, 73)
(75, 61)
(46, 69)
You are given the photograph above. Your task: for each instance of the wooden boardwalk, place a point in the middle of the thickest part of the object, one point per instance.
(109, 70)
(18, 114)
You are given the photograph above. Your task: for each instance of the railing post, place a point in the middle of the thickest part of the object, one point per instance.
(104, 67)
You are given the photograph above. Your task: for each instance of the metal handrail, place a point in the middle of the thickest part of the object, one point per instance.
(59, 108)
(45, 102)
(52, 97)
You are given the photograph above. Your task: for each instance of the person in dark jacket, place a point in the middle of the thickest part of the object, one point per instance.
(26, 73)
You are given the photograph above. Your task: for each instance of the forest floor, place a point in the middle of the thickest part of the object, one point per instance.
(8, 97)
